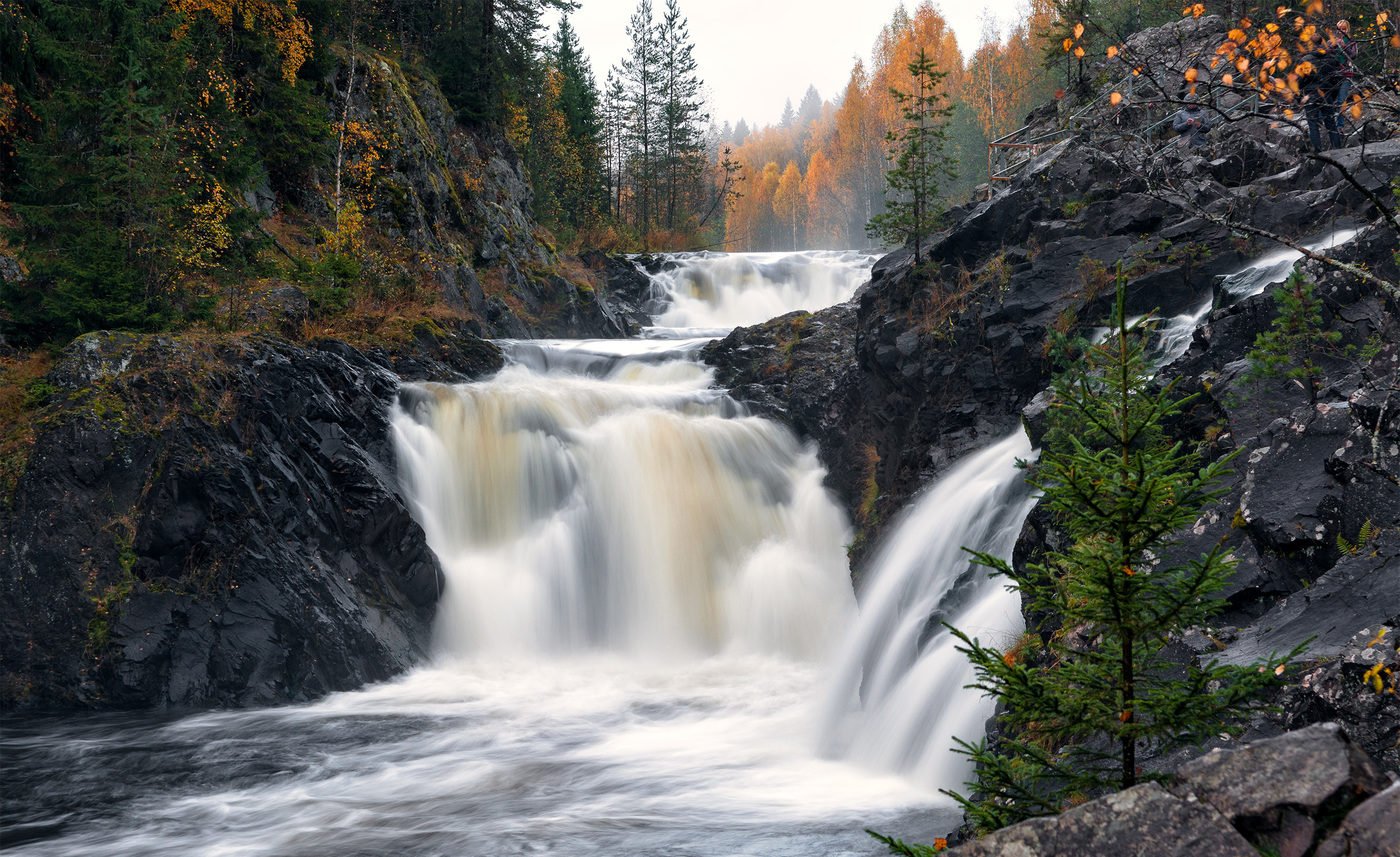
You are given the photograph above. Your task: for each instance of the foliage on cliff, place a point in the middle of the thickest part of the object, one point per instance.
(164, 162)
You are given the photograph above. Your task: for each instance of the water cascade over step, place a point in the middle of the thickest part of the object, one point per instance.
(897, 698)
(625, 505)
(715, 292)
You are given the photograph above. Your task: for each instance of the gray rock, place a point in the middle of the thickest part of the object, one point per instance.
(1370, 830)
(1143, 821)
(1308, 770)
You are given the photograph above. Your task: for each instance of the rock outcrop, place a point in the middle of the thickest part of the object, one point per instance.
(216, 521)
(1306, 790)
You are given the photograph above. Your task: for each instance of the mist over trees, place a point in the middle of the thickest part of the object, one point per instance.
(839, 146)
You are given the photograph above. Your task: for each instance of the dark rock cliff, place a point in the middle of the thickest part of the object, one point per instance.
(216, 521)
(929, 363)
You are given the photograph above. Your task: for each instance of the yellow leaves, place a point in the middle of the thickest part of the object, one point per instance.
(1115, 98)
(1304, 68)
(1280, 11)
(1236, 35)
(1287, 113)
(1195, 10)
(9, 106)
(1306, 36)
(1271, 27)
(1242, 65)
(1068, 45)
(1137, 71)
(940, 844)
(1355, 108)
(1191, 75)
(290, 34)
(1382, 18)
(1128, 571)
(1079, 30)
(1079, 52)
(1112, 51)
(1395, 41)
(1280, 669)
(1228, 79)
(1315, 7)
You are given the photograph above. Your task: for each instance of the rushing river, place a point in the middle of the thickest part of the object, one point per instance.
(647, 643)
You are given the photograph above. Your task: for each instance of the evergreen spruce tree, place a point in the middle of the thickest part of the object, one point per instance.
(1297, 338)
(912, 203)
(1077, 708)
(642, 82)
(682, 113)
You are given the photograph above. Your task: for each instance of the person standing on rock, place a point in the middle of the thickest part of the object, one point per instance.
(1347, 49)
(1192, 124)
(1321, 71)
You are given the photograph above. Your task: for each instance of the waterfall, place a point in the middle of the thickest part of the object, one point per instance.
(625, 505)
(716, 292)
(896, 697)
(1268, 270)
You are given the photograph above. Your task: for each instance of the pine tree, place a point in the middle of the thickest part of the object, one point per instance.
(912, 202)
(642, 82)
(1078, 706)
(682, 112)
(1296, 339)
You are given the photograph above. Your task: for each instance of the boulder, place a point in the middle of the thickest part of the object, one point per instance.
(1312, 771)
(1370, 830)
(1143, 821)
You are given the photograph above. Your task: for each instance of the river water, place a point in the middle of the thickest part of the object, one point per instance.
(647, 643)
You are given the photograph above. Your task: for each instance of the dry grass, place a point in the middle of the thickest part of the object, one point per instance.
(21, 394)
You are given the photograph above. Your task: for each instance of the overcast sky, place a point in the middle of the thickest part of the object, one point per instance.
(754, 54)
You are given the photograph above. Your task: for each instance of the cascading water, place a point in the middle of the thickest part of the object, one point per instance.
(636, 512)
(1269, 270)
(642, 585)
(897, 695)
(716, 292)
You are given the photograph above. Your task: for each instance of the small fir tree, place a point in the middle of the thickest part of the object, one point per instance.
(1296, 339)
(912, 202)
(1076, 713)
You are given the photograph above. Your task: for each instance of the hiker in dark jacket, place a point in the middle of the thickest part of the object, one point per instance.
(1319, 90)
(1347, 49)
(1191, 124)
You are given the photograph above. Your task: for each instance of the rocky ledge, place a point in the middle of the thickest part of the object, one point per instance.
(1309, 792)
(215, 521)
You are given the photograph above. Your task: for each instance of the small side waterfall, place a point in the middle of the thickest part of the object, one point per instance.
(1176, 332)
(719, 291)
(897, 698)
(637, 511)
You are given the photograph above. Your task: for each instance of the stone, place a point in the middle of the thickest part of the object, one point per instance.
(1143, 821)
(1370, 830)
(1311, 770)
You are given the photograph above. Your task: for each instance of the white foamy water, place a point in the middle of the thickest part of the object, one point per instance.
(897, 696)
(719, 291)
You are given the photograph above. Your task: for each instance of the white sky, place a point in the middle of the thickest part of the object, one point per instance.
(755, 54)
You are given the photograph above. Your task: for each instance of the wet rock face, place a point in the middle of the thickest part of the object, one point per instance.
(1313, 788)
(214, 522)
